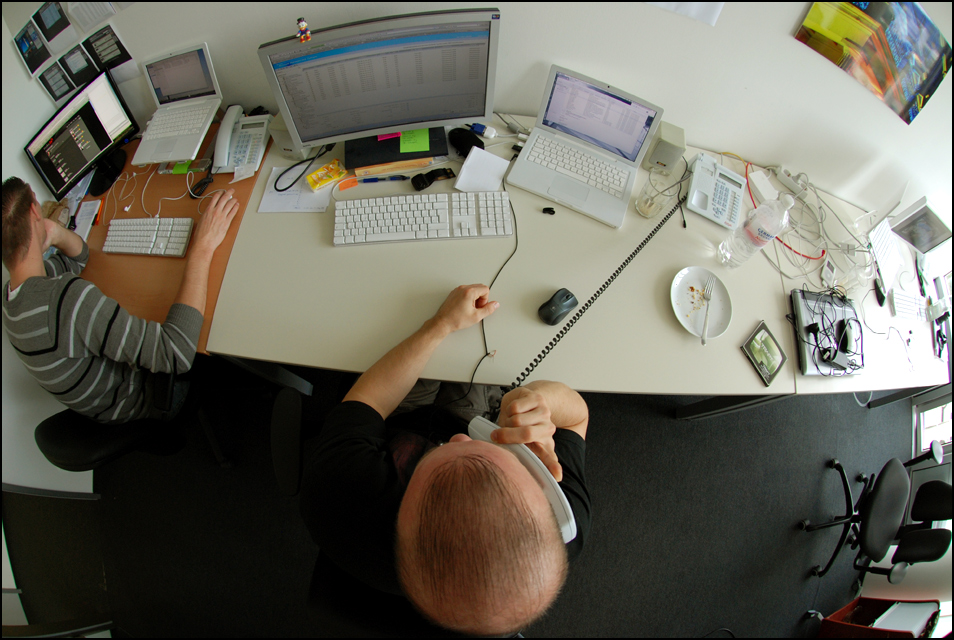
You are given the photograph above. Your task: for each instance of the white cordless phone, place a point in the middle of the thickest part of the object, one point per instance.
(241, 141)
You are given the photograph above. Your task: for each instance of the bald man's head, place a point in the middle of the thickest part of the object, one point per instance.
(479, 549)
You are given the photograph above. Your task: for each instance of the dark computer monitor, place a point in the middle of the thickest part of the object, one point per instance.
(87, 133)
(381, 76)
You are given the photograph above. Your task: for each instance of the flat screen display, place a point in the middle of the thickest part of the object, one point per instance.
(381, 76)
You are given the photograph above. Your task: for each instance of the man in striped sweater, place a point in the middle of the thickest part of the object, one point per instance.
(81, 346)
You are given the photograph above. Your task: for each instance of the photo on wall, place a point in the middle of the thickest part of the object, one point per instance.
(891, 48)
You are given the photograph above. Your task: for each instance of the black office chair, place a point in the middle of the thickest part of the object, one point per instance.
(74, 442)
(922, 545)
(932, 503)
(875, 517)
(348, 607)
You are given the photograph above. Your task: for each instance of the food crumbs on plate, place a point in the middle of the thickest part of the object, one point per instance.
(697, 298)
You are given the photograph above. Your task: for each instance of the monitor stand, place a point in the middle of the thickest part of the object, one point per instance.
(367, 152)
(108, 168)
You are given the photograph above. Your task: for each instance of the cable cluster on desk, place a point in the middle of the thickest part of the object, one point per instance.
(806, 243)
(824, 334)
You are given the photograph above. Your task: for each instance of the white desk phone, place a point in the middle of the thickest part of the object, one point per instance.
(481, 428)
(241, 141)
(715, 192)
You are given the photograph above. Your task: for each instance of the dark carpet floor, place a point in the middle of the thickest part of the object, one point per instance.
(694, 527)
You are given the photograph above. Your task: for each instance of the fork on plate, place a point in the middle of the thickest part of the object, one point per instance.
(707, 295)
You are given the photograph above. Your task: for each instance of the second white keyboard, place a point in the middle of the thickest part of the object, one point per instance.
(423, 217)
(149, 236)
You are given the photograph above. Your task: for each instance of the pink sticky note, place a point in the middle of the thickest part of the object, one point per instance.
(388, 136)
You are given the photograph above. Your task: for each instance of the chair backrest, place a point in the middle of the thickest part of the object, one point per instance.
(924, 545)
(352, 608)
(76, 443)
(883, 509)
(932, 502)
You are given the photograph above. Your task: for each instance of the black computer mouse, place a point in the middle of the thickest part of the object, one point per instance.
(464, 140)
(556, 308)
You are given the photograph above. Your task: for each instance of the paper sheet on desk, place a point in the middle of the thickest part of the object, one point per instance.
(298, 199)
(85, 217)
(886, 252)
(482, 171)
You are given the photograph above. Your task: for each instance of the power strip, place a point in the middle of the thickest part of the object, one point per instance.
(785, 177)
(762, 189)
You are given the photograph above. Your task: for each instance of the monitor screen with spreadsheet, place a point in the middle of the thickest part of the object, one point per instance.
(386, 75)
(83, 135)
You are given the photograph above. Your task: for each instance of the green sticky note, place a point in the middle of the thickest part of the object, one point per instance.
(418, 140)
(181, 167)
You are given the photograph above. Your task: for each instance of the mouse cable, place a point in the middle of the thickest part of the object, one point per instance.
(483, 332)
(589, 303)
(322, 150)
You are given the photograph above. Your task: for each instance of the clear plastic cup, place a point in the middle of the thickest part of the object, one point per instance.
(657, 194)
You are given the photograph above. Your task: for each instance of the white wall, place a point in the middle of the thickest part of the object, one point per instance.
(745, 85)
(26, 107)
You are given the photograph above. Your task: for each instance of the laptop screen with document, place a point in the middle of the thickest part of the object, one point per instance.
(593, 114)
(181, 77)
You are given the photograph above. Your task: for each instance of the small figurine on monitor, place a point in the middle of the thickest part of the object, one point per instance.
(304, 33)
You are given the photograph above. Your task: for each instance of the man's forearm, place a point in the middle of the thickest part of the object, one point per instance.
(388, 381)
(68, 242)
(195, 281)
(568, 410)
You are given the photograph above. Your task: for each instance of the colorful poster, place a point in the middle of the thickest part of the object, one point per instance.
(892, 48)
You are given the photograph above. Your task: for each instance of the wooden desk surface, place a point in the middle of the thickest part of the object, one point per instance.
(146, 286)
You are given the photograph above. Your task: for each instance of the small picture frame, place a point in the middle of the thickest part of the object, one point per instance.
(765, 353)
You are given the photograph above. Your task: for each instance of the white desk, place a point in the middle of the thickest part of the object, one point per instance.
(290, 296)
(890, 361)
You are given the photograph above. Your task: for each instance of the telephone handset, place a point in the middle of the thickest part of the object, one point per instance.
(241, 141)
(715, 192)
(481, 428)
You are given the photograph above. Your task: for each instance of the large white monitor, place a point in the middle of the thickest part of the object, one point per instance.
(386, 75)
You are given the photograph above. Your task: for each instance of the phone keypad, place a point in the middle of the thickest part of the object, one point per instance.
(726, 205)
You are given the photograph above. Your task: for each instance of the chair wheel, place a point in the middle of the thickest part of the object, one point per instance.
(833, 463)
(803, 525)
(861, 478)
(816, 570)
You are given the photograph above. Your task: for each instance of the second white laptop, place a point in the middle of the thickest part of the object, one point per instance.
(187, 95)
(586, 146)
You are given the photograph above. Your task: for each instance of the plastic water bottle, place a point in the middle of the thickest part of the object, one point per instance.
(759, 229)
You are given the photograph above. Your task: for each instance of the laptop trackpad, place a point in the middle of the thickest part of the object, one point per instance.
(567, 189)
(166, 146)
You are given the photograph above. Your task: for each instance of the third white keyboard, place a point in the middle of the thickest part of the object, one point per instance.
(423, 217)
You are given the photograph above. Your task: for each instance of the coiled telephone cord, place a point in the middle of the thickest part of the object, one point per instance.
(579, 314)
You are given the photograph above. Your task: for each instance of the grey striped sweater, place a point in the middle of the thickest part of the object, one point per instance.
(86, 350)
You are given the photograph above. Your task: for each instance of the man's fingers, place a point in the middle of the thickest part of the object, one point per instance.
(549, 459)
(522, 435)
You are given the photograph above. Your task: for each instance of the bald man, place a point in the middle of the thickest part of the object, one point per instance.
(462, 529)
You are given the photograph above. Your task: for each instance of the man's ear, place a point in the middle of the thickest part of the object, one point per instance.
(36, 210)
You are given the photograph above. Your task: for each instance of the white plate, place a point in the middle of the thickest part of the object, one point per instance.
(690, 307)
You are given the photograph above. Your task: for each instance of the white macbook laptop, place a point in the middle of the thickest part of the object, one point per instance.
(187, 95)
(586, 146)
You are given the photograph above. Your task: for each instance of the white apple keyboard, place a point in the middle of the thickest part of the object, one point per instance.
(437, 216)
(168, 237)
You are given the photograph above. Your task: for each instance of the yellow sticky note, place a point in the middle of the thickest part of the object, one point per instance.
(418, 140)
